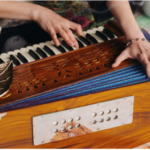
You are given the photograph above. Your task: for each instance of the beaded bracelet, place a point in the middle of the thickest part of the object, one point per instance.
(137, 39)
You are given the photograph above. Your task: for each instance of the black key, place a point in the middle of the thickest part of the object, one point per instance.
(22, 58)
(108, 33)
(1, 61)
(15, 60)
(80, 43)
(67, 46)
(84, 40)
(48, 50)
(60, 48)
(91, 38)
(101, 35)
(33, 54)
(41, 53)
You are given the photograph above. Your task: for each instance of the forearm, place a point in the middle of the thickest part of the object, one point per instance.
(18, 10)
(124, 16)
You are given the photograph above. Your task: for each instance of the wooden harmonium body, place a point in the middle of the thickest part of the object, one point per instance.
(77, 100)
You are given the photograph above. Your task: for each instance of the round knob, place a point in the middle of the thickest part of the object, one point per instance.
(63, 129)
(78, 118)
(101, 113)
(55, 123)
(70, 127)
(63, 121)
(94, 121)
(70, 120)
(94, 114)
(77, 125)
(55, 130)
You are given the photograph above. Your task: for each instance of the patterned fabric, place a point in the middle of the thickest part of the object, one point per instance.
(76, 11)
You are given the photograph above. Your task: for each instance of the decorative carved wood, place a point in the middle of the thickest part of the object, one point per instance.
(47, 74)
(16, 125)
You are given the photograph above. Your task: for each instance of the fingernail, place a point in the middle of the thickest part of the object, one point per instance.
(76, 45)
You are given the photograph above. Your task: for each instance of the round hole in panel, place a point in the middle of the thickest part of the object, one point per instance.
(115, 117)
(55, 123)
(63, 121)
(94, 121)
(101, 113)
(78, 118)
(108, 119)
(94, 114)
(55, 130)
(77, 125)
(108, 111)
(101, 120)
(70, 120)
(115, 110)
(70, 127)
(63, 129)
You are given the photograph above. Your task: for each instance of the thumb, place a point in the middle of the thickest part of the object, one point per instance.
(123, 56)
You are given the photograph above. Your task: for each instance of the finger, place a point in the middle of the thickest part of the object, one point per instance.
(77, 27)
(71, 36)
(65, 37)
(144, 60)
(124, 55)
(147, 47)
(54, 36)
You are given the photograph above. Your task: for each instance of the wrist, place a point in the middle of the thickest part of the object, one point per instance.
(134, 34)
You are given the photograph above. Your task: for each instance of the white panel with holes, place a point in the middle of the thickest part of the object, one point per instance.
(82, 120)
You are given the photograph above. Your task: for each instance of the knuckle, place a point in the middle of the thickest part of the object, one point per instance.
(79, 26)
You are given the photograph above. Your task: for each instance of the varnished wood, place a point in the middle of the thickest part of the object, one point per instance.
(47, 74)
(16, 126)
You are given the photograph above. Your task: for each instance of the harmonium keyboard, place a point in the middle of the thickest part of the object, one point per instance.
(62, 97)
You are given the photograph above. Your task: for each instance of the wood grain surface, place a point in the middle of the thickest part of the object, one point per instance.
(16, 126)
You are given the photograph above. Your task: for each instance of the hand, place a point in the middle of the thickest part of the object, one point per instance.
(139, 50)
(54, 23)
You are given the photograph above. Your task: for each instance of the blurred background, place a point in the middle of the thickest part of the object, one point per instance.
(141, 10)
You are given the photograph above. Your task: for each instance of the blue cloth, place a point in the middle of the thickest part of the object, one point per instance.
(123, 77)
(147, 36)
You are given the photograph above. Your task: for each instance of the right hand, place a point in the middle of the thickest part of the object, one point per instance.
(53, 23)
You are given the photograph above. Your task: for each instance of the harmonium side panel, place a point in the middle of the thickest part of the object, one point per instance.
(16, 126)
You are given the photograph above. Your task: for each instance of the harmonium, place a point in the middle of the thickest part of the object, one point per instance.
(62, 97)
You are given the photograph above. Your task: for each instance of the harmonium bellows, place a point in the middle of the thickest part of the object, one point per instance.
(62, 97)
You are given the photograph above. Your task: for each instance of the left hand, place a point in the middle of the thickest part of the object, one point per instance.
(139, 50)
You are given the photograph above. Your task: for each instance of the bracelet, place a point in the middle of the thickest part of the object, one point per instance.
(137, 39)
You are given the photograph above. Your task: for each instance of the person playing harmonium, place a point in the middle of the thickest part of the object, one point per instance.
(26, 23)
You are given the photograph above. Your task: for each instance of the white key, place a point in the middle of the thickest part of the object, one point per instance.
(26, 54)
(92, 33)
(6, 58)
(38, 46)
(33, 49)
(100, 28)
(12, 53)
(50, 44)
